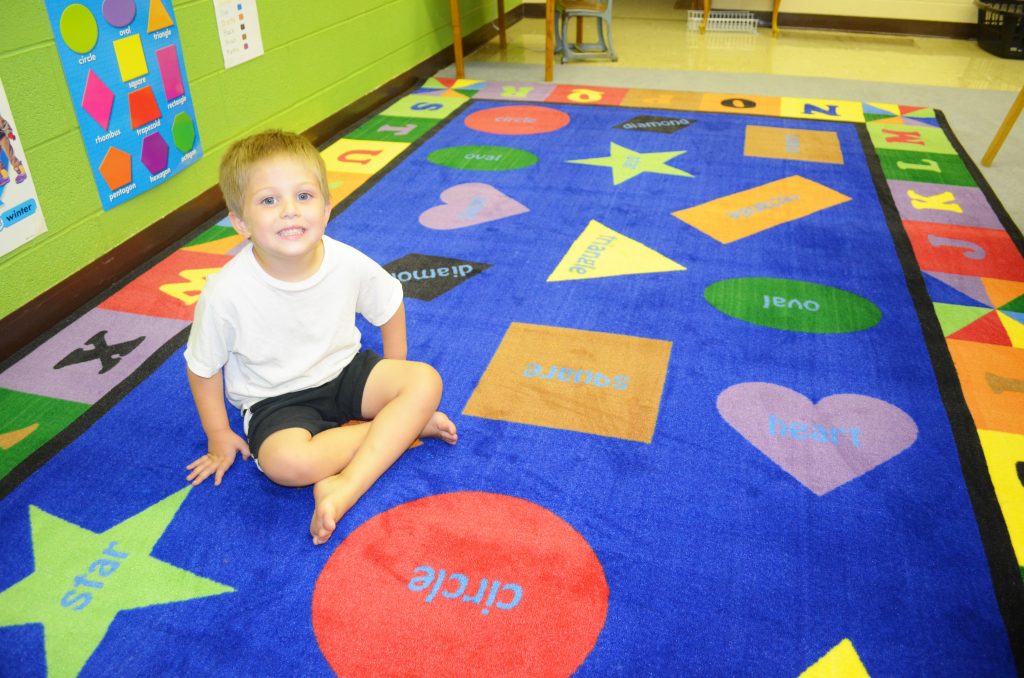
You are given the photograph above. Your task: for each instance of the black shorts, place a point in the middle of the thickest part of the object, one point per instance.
(314, 409)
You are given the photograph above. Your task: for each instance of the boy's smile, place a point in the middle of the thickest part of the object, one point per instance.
(284, 213)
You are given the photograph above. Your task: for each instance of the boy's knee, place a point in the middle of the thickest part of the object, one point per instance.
(284, 467)
(427, 379)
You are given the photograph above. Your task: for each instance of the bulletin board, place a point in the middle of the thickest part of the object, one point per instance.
(126, 75)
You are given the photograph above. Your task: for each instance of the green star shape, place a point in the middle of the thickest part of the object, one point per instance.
(121, 575)
(626, 163)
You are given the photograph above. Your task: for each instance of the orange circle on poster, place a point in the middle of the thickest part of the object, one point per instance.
(517, 120)
(460, 584)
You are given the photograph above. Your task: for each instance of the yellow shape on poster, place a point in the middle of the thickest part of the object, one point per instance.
(12, 438)
(131, 60)
(1003, 452)
(842, 661)
(361, 156)
(1014, 330)
(742, 214)
(822, 109)
(600, 252)
(159, 17)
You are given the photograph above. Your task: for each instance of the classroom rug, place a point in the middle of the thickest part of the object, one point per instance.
(738, 382)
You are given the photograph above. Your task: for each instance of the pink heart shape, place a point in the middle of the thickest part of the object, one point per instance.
(825, 445)
(469, 205)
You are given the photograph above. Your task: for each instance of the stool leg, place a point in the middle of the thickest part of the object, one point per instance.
(1004, 129)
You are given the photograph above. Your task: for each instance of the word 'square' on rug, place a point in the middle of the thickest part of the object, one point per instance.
(738, 382)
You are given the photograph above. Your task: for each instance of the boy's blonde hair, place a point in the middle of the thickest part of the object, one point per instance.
(246, 153)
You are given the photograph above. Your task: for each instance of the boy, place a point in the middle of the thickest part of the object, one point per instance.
(278, 322)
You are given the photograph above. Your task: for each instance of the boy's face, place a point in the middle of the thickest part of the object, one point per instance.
(284, 214)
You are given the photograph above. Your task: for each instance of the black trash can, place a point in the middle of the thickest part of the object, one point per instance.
(1001, 28)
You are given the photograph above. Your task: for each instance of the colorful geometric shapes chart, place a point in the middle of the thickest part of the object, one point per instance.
(655, 123)
(116, 168)
(154, 153)
(29, 421)
(517, 120)
(842, 661)
(576, 380)
(748, 212)
(97, 100)
(91, 356)
(159, 17)
(600, 252)
(483, 158)
(470, 205)
(119, 13)
(793, 305)
(962, 205)
(78, 28)
(131, 59)
(792, 144)
(1004, 455)
(451, 87)
(405, 584)
(117, 561)
(965, 251)
(170, 72)
(183, 132)
(427, 277)
(823, 445)
(142, 107)
(626, 163)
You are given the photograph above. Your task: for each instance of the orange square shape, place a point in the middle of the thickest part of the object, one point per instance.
(170, 289)
(742, 214)
(741, 103)
(793, 144)
(576, 380)
(992, 378)
(344, 184)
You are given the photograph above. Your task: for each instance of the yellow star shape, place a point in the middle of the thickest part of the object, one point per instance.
(626, 163)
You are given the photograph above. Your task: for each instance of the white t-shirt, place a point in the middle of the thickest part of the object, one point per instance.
(273, 337)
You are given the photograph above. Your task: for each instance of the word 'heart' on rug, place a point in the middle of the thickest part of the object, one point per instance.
(823, 446)
(469, 205)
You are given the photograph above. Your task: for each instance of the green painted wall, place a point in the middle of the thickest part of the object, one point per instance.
(320, 56)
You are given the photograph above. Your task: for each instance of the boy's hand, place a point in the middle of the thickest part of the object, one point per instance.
(219, 459)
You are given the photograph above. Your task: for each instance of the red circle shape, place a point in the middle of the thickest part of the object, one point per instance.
(460, 584)
(517, 120)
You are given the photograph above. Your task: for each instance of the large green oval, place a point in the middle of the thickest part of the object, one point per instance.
(487, 158)
(793, 305)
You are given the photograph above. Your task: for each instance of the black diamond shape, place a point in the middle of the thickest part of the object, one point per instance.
(427, 277)
(655, 123)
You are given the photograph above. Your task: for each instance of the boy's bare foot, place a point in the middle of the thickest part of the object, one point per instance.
(442, 428)
(331, 501)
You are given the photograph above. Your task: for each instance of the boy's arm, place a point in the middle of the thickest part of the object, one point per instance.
(208, 392)
(393, 334)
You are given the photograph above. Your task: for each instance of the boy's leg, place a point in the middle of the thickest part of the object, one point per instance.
(401, 398)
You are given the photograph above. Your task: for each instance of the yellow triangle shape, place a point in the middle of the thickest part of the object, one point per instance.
(1002, 291)
(158, 16)
(12, 438)
(841, 661)
(600, 252)
(1014, 330)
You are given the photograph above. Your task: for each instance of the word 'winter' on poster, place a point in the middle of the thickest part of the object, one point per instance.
(20, 217)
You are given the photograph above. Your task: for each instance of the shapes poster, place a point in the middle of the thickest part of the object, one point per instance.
(125, 72)
(20, 217)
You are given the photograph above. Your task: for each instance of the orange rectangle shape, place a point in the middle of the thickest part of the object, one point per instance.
(748, 212)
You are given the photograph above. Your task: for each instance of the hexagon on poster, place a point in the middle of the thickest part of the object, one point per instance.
(154, 153)
(116, 168)
(183, 131)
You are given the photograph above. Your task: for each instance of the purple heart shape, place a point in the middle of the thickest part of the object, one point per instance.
(468, 205)
(825, 445)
